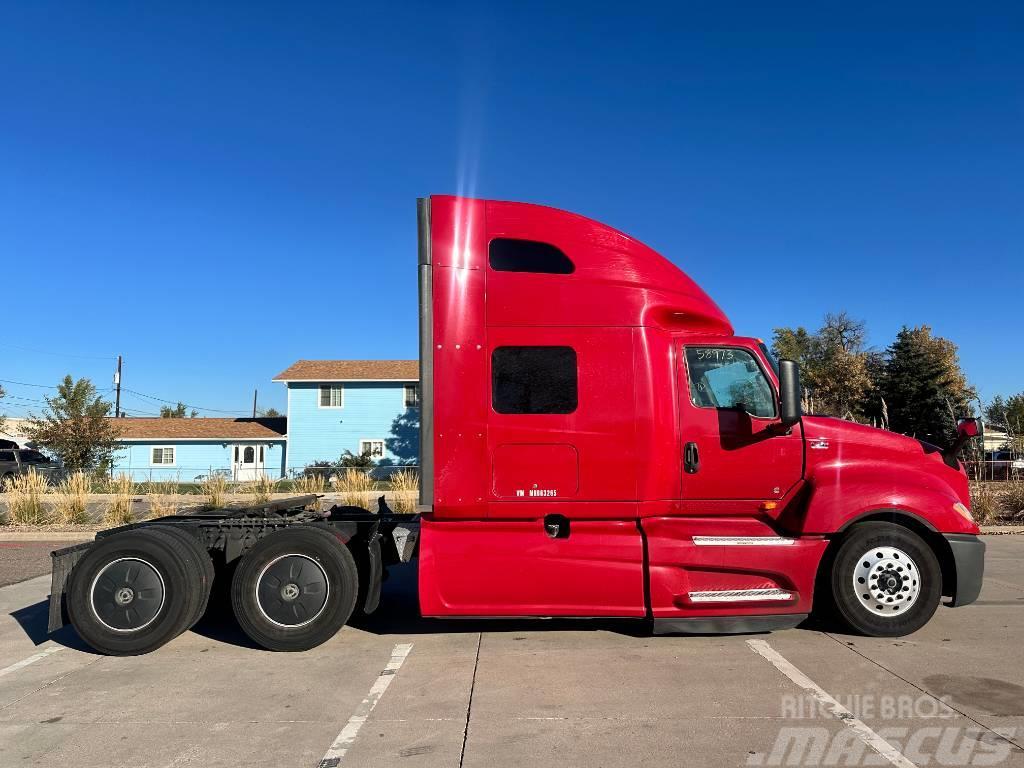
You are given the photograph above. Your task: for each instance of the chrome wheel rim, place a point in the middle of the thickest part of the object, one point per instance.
(127, 594)
(292, 590)
(886, 581)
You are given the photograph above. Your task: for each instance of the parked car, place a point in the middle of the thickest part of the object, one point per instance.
(20, 461)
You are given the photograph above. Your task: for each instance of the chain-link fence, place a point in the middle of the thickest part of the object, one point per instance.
(241, 473)
(995, 470)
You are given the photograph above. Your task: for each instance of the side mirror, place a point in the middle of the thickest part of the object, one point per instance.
(968, 428)
(789, 393)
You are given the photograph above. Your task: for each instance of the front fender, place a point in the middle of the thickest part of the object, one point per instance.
(841, 494)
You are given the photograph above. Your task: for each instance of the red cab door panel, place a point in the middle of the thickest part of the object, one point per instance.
(729, 416)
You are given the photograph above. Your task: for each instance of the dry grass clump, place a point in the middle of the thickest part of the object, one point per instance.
(353, 485)
(25, 499)
(307, 484)
(120, 510)
(1011, 497)
(311, 484)
(72, 497)
(262, 489)
(162, 501)
(985, 504)
(405, 487)
(215, 488)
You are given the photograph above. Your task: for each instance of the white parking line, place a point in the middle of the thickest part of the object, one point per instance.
(351, 730)
(30, 660)
(863, 731)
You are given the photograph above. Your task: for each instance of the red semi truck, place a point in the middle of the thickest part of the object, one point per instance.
(595, 442)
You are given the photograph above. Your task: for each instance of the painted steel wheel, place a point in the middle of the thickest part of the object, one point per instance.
(295, 588)
(132, 592)
(886, 580)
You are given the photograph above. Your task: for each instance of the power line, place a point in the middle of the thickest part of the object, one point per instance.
(125, 389)
(26, 384)
(187, 405)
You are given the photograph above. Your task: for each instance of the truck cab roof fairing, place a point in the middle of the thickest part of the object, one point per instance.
(616, 279)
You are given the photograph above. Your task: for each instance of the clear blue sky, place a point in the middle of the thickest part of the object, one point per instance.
(214, 190)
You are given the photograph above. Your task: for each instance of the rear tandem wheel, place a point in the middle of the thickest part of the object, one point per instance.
(295, 588)
(134, 591)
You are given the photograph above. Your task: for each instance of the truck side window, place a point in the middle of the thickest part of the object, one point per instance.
(723, 377)
(508, 255)
(534, 380)
(6, 456)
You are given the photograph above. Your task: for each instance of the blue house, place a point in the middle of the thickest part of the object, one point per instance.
(334, 406)
(360, 406)
(189, 450)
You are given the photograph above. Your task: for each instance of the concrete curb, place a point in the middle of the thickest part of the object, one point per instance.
(42, 534)
(1002, 530)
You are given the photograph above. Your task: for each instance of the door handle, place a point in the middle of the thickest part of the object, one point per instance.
(691, 459)
(556, 526)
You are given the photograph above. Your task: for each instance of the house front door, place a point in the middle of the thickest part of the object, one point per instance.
(247, 462)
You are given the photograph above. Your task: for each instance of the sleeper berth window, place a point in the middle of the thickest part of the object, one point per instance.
(531, 380)
(509, 255)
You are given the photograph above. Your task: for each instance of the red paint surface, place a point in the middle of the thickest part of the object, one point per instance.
(614, 465)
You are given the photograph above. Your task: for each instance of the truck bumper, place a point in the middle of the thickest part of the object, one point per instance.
(968, 564)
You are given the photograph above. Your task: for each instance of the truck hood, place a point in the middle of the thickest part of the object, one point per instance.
(848, 448)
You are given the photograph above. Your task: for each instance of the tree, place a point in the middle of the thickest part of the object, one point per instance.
(923, 387)
(3, 419)
(271, 413)
(74, 426)
(833, 364)
(404, 440)
(1008, 416)
(177, 412)
(350, 460)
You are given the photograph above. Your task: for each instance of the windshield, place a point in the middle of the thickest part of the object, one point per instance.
(769, 357)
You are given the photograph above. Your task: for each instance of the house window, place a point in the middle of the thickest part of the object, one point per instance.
(534, 380)
(508, 255)
(372, 448)
(162, 456)
(332, 396)
(412, 395)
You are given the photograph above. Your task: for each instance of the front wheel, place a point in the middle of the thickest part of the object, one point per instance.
(295, 589)
(886, 580)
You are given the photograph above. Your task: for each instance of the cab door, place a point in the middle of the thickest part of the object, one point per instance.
(732, 446)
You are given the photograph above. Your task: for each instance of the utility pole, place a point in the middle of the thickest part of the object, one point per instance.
(254, 393)
(117, 385)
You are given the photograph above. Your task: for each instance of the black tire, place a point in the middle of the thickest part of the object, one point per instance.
(144, 568)
(200, 565)
(886, 581)
(295, 589)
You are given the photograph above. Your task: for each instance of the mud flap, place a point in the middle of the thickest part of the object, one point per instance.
(375, 575)
(63, 561)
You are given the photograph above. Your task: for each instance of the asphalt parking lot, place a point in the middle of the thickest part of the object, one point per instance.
(399, 690)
